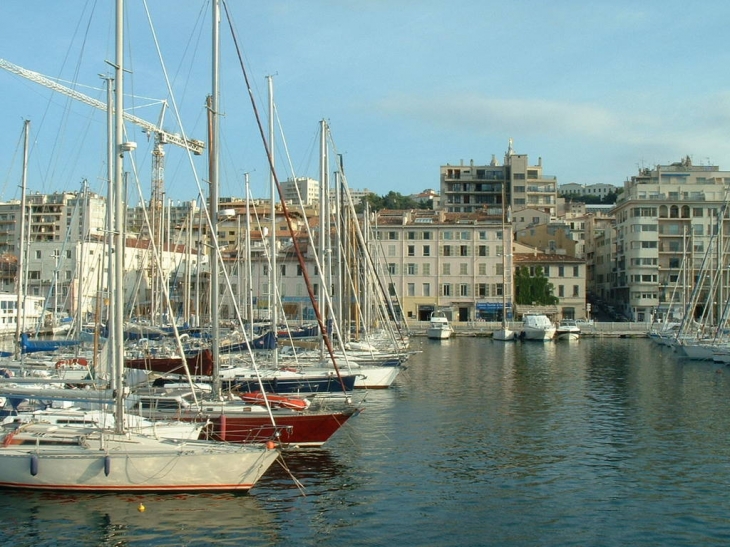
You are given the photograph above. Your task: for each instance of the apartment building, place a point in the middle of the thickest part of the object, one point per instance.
(671, 222)
(470, 188)
(599, 190)
(446, 261)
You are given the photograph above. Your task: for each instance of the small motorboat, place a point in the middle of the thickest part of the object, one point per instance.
(567, 329)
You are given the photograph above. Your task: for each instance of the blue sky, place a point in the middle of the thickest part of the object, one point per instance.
(595, 89)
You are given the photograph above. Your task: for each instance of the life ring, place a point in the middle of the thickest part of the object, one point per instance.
(63, 363)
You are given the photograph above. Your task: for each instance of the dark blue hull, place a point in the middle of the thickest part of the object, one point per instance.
(318, 384)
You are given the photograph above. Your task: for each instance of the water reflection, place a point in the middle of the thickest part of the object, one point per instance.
(96, 519)
(599, 442)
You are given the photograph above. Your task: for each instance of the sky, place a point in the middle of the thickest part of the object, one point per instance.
(596, 90)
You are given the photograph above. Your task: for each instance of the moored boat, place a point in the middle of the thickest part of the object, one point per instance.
(567, 329)
(537, 326)
(439, 327)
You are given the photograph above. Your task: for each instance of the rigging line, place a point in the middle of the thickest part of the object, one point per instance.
(285, 209)
(318, 264)
(18, 148)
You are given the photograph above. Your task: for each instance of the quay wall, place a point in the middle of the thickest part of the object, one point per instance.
(485, 328)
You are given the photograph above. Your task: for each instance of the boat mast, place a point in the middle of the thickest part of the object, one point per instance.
(117, 292)
(19, 277)
(273, 274)
(213, 205)
(504, 263)
(249, 273)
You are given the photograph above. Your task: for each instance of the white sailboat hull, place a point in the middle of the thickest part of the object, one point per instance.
(376, 377)
(504, 335)
(134, 463)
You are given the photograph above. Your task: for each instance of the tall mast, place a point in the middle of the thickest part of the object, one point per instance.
(274, 274)
(117, 289)
(213, 205)
(19, 277)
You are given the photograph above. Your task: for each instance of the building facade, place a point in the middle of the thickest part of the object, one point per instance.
(671, 229)
(470, 188)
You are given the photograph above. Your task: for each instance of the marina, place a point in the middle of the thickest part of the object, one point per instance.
(533, 444)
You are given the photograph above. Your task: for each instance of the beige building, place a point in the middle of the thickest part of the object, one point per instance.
(471, 188)
(668, 218)
(446, 261)
(567, 274)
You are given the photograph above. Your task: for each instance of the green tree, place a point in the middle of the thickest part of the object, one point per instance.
(533, 289)
(392, 200)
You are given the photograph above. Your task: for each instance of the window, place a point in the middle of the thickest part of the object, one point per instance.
(482, 290)
(411, 250)
(499, 268)
(427, 289)
(300, 272)
(463, 268)
(411, 235)
(482, 268)
(392, 268)
(576, 290)
(576, 271)
(446, 289)
(499, 289)
(283, 270)
(426, 269)
(446, 269)
(392, 235)
(411, 287)
(426, 235)
(483, 250)
(391, 250)
(266, 269)
(38, 254)
(464, 250)
(446, 250)
(463, 289)
(561, 271)
(411, 269)
(561, 291)
(426, 250)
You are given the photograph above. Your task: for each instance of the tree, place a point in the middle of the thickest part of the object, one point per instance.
(392, 200)
(533, 289)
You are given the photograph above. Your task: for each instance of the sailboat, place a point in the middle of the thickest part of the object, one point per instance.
(504, 333)
(45, 456)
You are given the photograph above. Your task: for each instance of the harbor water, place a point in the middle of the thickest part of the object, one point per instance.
(603, 441)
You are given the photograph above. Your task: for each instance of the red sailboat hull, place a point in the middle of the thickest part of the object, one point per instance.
(293, 429)
(200, 364)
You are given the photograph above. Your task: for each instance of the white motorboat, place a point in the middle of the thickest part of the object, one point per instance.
(537, 326)
(439, 328)
(567, 329)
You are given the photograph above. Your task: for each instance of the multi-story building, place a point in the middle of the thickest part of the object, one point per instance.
(446, 261)
(667, 218)
(599, 190)
(566, 274)
(54, 217)
(470, 188)
(302, 188)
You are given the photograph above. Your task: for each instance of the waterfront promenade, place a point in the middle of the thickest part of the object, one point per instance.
(486, 328)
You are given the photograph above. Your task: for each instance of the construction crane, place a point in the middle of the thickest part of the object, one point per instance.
(161, 136)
